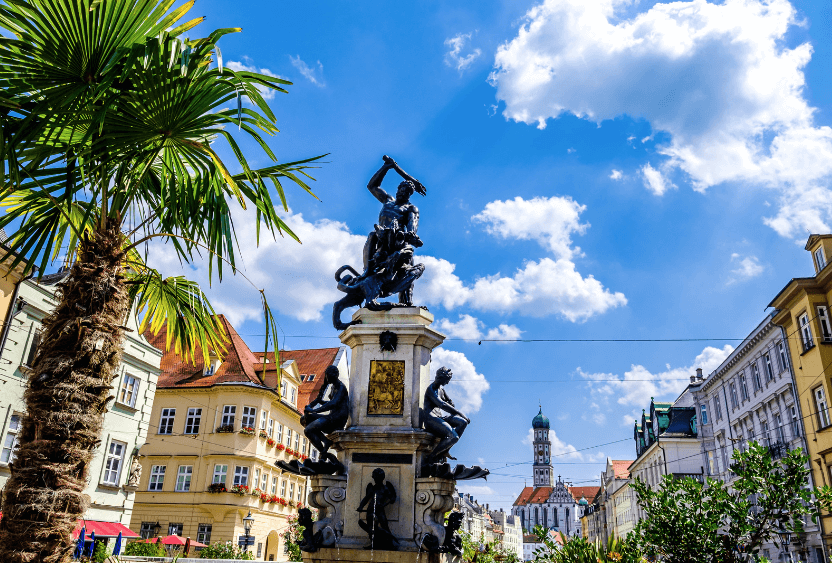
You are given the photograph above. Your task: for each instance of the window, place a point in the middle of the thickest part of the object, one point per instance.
(310, 377)
(271, 427)
(704, 414)
(300, 492)
(279, 433)
(734, 402)
(166, 421)
(257, 477)
(823, 321)
(264, 415)
(782, 351)
(175, 528)
(265, 482)
(769, 370)
(820, 259)
(283, 389)
(711, 467)
(781, 436)
(795, 423)
(755, 374)
(113, 462)
(274, 485)
(764, 430)
(183, 478)
(249, 417)
(283, 487)
(193, 420)
(291, 490)
(129, 391)
(292, 400)
(303, 447)
(229, 413)
(33, 349)
(220, 471)
(259, 550)
(717, 407)
(288, 437)
(241, 475)
(297, 440)
(313, 453)
(743, 387)
(148, 530)
(157, 478)
(820, 403)
(203, 534)
(10, 444)
(805, 331)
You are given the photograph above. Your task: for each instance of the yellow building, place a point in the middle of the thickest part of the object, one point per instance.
(219, 428)
(623, 506)
(803, 312)
(9, 280)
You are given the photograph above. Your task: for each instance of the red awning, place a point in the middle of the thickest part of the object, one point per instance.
(103, 529)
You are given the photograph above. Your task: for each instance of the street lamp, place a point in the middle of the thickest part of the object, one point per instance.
(248, 522)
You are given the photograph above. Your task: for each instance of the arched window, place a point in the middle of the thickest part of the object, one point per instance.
(536, 516)
(555, 517)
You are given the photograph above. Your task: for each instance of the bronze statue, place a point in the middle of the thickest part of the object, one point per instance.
(388, 252)
(310, 542)
(321, 417)
(379, 495)
(447, 428)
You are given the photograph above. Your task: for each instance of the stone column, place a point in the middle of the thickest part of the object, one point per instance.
(386, 394)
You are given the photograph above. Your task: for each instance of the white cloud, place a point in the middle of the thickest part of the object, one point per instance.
(301, 274)
(655, 181)
(476, 490)
(542, 288)
(313, 74)
(471, 328)
(639, 384)
(267, 93)
(467, 386)
(719, 78)
(549, 221)
(747, 267)
(560, 449)
(616, 174)
(454, 57)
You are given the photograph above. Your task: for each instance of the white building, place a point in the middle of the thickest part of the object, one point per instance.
(125, 424)
(750, 397)
(554, 505)
(512, 531)
(476, 521)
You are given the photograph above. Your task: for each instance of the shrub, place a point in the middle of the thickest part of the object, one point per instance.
(144, 549)
(225, 550)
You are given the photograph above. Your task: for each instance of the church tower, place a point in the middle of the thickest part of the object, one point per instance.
(543, 472)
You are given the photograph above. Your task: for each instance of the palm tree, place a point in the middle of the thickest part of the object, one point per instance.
(109, 115)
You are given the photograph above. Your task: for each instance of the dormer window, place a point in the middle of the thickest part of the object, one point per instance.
(213, 364)
(820, 259)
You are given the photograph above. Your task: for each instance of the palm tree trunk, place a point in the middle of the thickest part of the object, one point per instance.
(66, 398)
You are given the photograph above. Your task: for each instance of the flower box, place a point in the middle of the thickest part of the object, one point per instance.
(281, 501)
(281, 447)
(270, 442)
(217, 488)
(225, 428)
(263, 434)
(265, 498)
(247, 431)
(256, 492)
(240, 489)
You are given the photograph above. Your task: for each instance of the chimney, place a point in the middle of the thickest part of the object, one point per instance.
(693, 379)
(699, 374)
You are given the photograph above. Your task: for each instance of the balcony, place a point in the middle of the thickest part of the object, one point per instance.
(698, 476)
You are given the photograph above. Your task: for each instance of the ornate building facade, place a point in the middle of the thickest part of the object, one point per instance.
(555, 505)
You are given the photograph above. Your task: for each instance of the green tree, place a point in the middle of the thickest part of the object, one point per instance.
(292, 537)
(101, 552)
(109, 119)
(225, 550)
(579, 550)
(145, 549)
(690, 521)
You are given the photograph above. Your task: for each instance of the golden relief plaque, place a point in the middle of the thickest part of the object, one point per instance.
(385, 394)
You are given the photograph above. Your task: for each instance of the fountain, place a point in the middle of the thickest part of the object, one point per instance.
(384, 472)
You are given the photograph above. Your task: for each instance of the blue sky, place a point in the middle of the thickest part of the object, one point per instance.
(595, 170)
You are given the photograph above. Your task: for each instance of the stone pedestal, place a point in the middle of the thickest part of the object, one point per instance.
(389, 374)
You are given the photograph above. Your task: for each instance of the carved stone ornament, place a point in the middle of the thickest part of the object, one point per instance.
(328, 494)
(385, 392)
(388, 341)
(434, 497)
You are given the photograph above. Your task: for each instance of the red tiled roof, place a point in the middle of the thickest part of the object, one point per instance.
(102, 529)
(587, 492)
(310, 362)
(621, 468)
(241, 365)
